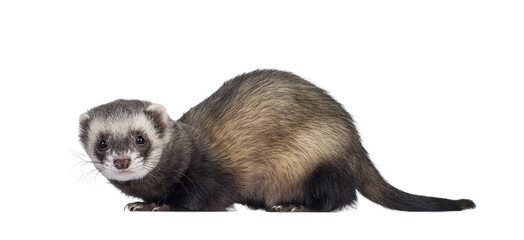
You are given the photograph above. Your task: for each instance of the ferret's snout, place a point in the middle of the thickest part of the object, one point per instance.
(122, 162)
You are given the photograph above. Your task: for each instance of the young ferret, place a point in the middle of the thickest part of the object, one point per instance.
(267, 139)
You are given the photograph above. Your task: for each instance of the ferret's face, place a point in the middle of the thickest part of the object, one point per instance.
(123, 145)
(122, 151)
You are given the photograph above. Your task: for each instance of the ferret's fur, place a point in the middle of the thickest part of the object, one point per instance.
(267, 139)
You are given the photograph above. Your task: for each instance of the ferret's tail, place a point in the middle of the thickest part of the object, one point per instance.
(375, 188)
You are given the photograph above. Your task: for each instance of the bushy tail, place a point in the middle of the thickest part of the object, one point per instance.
(375, 188)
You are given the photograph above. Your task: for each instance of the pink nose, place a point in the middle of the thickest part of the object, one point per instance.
(122, 162)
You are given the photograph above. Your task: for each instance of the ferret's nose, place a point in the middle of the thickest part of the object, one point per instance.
(122, 162)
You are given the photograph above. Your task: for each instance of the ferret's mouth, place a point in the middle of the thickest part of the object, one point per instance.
(125, 172)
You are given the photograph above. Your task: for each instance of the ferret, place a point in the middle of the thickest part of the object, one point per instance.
(267, 139)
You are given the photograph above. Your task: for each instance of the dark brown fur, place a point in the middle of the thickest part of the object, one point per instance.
(270, 140)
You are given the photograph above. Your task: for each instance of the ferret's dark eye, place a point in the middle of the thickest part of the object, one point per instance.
(102, 145)
(140, 140)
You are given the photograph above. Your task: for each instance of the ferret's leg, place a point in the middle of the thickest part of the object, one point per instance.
(330, 188)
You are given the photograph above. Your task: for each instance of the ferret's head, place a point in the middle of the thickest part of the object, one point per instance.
(125, 138)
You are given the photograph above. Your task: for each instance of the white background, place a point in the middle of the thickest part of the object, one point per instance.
(435, 89)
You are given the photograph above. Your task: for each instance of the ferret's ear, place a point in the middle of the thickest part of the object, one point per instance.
(84, 124)
(159, 116)
(83, 119)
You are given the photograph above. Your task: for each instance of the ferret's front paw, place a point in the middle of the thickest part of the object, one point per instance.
(139, 206)
(146, 207)
(288, 208)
